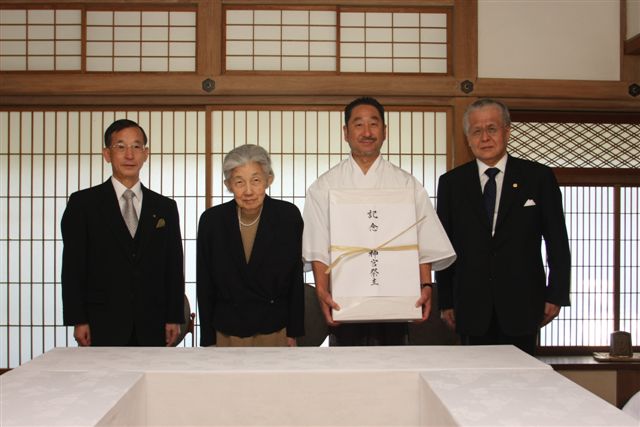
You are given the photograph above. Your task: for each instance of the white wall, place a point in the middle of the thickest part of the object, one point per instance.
(544, 39)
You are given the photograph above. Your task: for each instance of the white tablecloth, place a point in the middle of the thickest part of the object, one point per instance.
(421, 386)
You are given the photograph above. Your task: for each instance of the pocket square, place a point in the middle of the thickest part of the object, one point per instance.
(529, 202)
(160, 223)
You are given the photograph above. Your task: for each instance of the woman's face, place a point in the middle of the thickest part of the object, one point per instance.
(249, 184)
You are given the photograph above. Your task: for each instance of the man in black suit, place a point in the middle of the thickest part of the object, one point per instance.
(122, 277)
(496, 211)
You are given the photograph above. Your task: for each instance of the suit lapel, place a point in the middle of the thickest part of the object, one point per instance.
(146, 222)
(473, 190)
(511, 185)
(264, 235)
(232, 231)
(112, 215)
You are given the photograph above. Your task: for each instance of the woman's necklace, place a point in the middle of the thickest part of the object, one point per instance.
(252, 222)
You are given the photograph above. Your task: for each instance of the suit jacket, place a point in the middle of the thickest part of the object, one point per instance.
(115, 282)
(260, 297)
(503, 272)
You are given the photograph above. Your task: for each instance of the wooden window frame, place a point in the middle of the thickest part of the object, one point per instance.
(594, 177)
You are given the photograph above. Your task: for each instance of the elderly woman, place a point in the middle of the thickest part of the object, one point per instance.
(249, 272)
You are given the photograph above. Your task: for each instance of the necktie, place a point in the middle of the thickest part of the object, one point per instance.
(129, 212)
(489, 194)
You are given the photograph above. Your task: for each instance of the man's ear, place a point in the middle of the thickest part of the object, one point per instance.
(270, 180)
(106, 155)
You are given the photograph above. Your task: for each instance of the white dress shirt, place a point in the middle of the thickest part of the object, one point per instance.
(120, 189)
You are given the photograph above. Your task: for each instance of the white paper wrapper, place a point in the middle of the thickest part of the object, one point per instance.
(381, 285)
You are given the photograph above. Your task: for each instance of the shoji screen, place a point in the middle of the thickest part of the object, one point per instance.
(603, 223)
(49, 154)
(305, 143)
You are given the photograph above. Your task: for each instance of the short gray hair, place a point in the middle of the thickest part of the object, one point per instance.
(485, 102)
(243, 155)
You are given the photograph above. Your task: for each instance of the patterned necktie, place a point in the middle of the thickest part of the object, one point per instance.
(489, 194)
(129, 212)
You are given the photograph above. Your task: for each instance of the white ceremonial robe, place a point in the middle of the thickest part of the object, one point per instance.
(433, 244)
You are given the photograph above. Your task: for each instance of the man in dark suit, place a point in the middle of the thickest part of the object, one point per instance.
(496, 211)
(122, 277)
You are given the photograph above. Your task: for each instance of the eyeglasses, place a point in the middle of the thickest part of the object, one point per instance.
(121, 148)
(255, 181)
(476, 133)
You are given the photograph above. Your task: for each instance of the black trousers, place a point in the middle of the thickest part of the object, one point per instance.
(133, 339)
(495, 336)
(361, 334)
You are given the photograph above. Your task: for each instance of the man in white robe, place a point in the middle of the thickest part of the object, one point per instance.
(365, 131)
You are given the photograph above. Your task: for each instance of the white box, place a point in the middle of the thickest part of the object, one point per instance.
(371, 285)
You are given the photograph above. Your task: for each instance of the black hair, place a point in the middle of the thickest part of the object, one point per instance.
(117, 126)
(364, 100)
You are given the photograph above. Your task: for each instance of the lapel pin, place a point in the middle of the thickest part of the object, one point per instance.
(515, 185)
